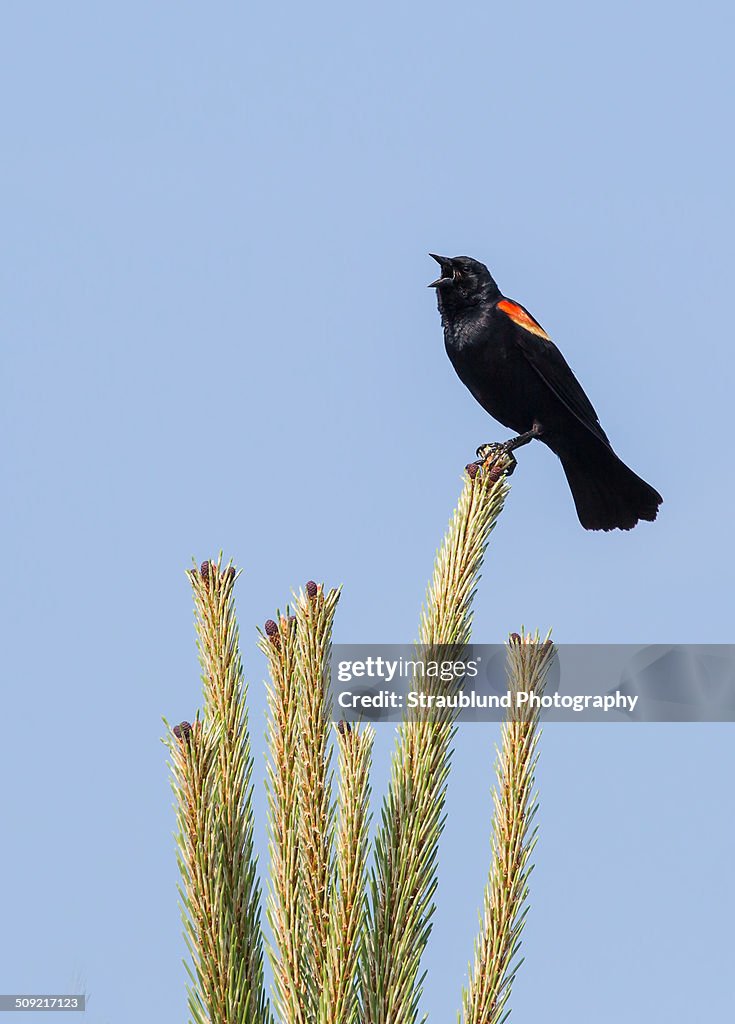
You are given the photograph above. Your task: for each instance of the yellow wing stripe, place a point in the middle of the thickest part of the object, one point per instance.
(522, 318)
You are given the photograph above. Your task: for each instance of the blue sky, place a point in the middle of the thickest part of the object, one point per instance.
(217, 335)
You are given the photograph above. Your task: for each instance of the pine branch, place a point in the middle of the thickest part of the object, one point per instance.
(191, 761)
(284, 896)
(314, 618)
(235, 990)
(338, 1002)
(404, 878)
(514, 837)
(300, 798)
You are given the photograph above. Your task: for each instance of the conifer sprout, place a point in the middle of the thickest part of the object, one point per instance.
(284, 903)
(513, 839)
(212, 780)
(404, 876)
(315, 611)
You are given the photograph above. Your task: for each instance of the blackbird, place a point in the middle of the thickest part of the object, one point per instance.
(516, 372)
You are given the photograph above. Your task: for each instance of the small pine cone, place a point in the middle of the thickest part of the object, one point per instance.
(495, 473)
(515, 638)
(472, 469)
(312, 589)
(182, 731)
(271, 630)
(205, 570)
(343, 728)
(230, 574)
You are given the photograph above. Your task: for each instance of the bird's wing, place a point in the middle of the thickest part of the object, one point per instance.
(551, 366)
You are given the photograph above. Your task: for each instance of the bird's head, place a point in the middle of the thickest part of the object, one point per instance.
(463, 282)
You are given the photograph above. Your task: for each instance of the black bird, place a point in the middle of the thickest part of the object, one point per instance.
(520, 377)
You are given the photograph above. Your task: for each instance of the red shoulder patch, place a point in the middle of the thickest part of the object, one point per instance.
(522, 318)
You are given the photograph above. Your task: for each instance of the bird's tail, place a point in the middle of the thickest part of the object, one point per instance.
(607, 494)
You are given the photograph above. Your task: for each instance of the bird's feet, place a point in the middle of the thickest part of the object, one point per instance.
(491, 452)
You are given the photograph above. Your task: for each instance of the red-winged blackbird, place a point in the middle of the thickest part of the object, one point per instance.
(520, 377)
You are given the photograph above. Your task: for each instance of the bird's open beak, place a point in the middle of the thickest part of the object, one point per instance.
(447, 274)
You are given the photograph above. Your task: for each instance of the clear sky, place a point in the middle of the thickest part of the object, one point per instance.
(216, 333)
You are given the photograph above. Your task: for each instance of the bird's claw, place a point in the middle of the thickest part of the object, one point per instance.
(491, 452)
